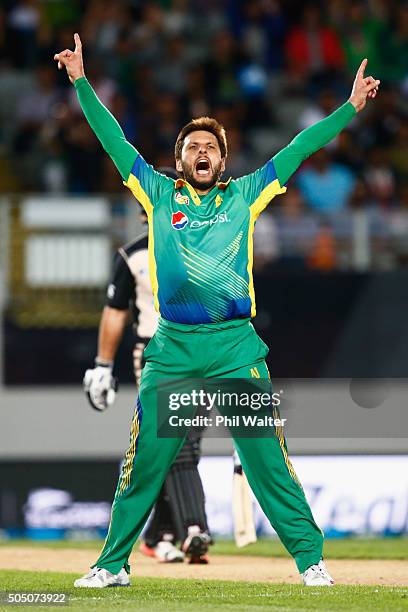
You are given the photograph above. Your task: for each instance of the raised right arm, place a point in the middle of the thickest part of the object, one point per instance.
(145, 183)
(103, 123)
(106, 128)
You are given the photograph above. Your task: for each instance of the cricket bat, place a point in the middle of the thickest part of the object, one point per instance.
(244, 526)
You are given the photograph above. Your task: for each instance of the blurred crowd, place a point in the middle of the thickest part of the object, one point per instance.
(263, 68)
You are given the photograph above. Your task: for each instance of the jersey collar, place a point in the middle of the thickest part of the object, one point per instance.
(224, 185)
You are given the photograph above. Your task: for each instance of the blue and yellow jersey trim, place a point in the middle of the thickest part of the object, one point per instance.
(144, 183)
(271, 188)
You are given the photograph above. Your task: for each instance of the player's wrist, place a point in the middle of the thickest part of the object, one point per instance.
(77, 80)
(100, 362)
(357, 102)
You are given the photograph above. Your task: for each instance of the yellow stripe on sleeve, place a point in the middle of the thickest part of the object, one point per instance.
(266, 195)
(152, 263)
(141, 196)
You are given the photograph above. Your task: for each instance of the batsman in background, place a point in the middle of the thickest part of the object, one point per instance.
(179, 512)
(201, 253)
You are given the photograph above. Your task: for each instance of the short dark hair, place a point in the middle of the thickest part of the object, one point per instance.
(206, 124)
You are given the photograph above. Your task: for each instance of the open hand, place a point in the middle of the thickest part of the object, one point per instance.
(72, 60)
(363, 88)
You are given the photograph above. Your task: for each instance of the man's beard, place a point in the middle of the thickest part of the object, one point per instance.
(188, 174)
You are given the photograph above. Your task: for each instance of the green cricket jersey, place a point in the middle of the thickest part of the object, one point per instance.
(201, 247)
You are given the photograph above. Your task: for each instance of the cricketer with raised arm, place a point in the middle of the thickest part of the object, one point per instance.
(200, 250)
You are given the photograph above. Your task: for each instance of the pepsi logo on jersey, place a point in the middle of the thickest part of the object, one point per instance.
(218, 218)
(179, 220)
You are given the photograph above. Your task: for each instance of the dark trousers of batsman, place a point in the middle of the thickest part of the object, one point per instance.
(181, 502)
(231, 349)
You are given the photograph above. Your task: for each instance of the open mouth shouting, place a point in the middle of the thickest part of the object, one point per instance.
(203, 168)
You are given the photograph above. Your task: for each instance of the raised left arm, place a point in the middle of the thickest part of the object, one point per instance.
(312, 139)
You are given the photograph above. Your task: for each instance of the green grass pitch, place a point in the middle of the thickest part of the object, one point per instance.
(171, 595)
(153, 594)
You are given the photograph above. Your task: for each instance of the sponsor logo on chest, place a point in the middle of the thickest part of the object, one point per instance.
(218, 218)
(179, 220)
(181, 199)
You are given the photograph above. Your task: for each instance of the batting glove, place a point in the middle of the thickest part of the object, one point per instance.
(100, 386)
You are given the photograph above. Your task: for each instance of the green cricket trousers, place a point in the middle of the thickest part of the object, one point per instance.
(231, 349)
